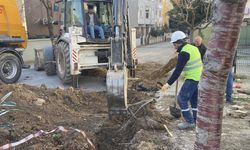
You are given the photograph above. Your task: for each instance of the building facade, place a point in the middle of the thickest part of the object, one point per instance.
(34, 17)
(148, 14)
(247, 10)
(166, 7)
(144, 14)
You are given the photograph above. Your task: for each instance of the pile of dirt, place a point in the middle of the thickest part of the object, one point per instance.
(41, 108)
(122, 133)
(164, 70)
(144, 81)
(238, 111)
(45, 109)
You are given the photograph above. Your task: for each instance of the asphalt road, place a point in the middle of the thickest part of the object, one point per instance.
(159, 53)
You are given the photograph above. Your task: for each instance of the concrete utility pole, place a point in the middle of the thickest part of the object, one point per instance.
(228, 16)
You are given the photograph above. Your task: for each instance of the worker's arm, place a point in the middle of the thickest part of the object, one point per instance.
(202, 49)
(183, 58)
(97, 19)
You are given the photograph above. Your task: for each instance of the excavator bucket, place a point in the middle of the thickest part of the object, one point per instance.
(117, 92)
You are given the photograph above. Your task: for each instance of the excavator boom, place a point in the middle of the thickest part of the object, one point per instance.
(117, 76)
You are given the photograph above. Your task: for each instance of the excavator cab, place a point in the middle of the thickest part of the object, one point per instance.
(76, 51)
(74, 13)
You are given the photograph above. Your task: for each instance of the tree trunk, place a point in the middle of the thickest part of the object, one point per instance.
(228, 16)
(50, 19)
(48, 6)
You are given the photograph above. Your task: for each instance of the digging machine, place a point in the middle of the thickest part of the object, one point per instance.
(13, 40)
(74, 51)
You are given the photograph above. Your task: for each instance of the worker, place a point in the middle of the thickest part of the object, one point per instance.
(189, 61)
(202, 48)
(229, 88)
(93, 23)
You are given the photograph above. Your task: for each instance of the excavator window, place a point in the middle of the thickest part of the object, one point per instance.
(74, 13)
(104, 13)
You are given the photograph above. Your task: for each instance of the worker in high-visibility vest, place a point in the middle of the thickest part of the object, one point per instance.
(189, 61)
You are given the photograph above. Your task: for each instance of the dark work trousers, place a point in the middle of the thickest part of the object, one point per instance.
(189, 92)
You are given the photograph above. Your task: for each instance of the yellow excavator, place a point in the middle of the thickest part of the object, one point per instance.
(13, 40)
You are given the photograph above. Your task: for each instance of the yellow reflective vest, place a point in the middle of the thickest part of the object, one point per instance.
(194, 66)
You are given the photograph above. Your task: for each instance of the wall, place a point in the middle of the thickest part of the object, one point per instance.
(247, 10)
(158, 12)
(133, 12)
(32, 13)
(143, 6)
(166, 7)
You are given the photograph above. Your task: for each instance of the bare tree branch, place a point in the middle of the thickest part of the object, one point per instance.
(48, 6)
(196, 14)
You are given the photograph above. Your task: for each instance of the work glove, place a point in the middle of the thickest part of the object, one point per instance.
(165, 87)
(163, 91)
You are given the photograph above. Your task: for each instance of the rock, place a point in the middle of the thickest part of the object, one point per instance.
(240, 111)
(71, 89)
(147, 146)
(237, 85)
(149, 123)
(237, 107)
(40, 102)
(238, 80)
(43, 86)
(226, 111)
(60, 88)
(238, 114)
(39, 117)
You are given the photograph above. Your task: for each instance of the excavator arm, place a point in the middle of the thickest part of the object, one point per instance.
(117, 76)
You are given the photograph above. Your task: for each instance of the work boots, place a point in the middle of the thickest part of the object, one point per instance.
(186, 125)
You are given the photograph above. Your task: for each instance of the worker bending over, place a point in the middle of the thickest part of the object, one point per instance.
(189, 61)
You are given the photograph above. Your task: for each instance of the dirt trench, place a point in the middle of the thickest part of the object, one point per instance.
(142, 129)
(41, 108)
(45, 109)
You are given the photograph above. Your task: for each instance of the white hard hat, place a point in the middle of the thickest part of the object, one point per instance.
(177, 35)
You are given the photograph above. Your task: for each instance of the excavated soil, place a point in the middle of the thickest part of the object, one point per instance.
(45, 109)
(40, 108)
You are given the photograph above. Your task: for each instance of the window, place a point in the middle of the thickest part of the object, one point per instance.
(247, 11)
(147, 13)
(74, 13)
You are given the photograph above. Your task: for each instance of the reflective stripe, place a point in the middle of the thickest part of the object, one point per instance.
(193, 62)
(194, 109)
(185, 109)
(192, 68)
